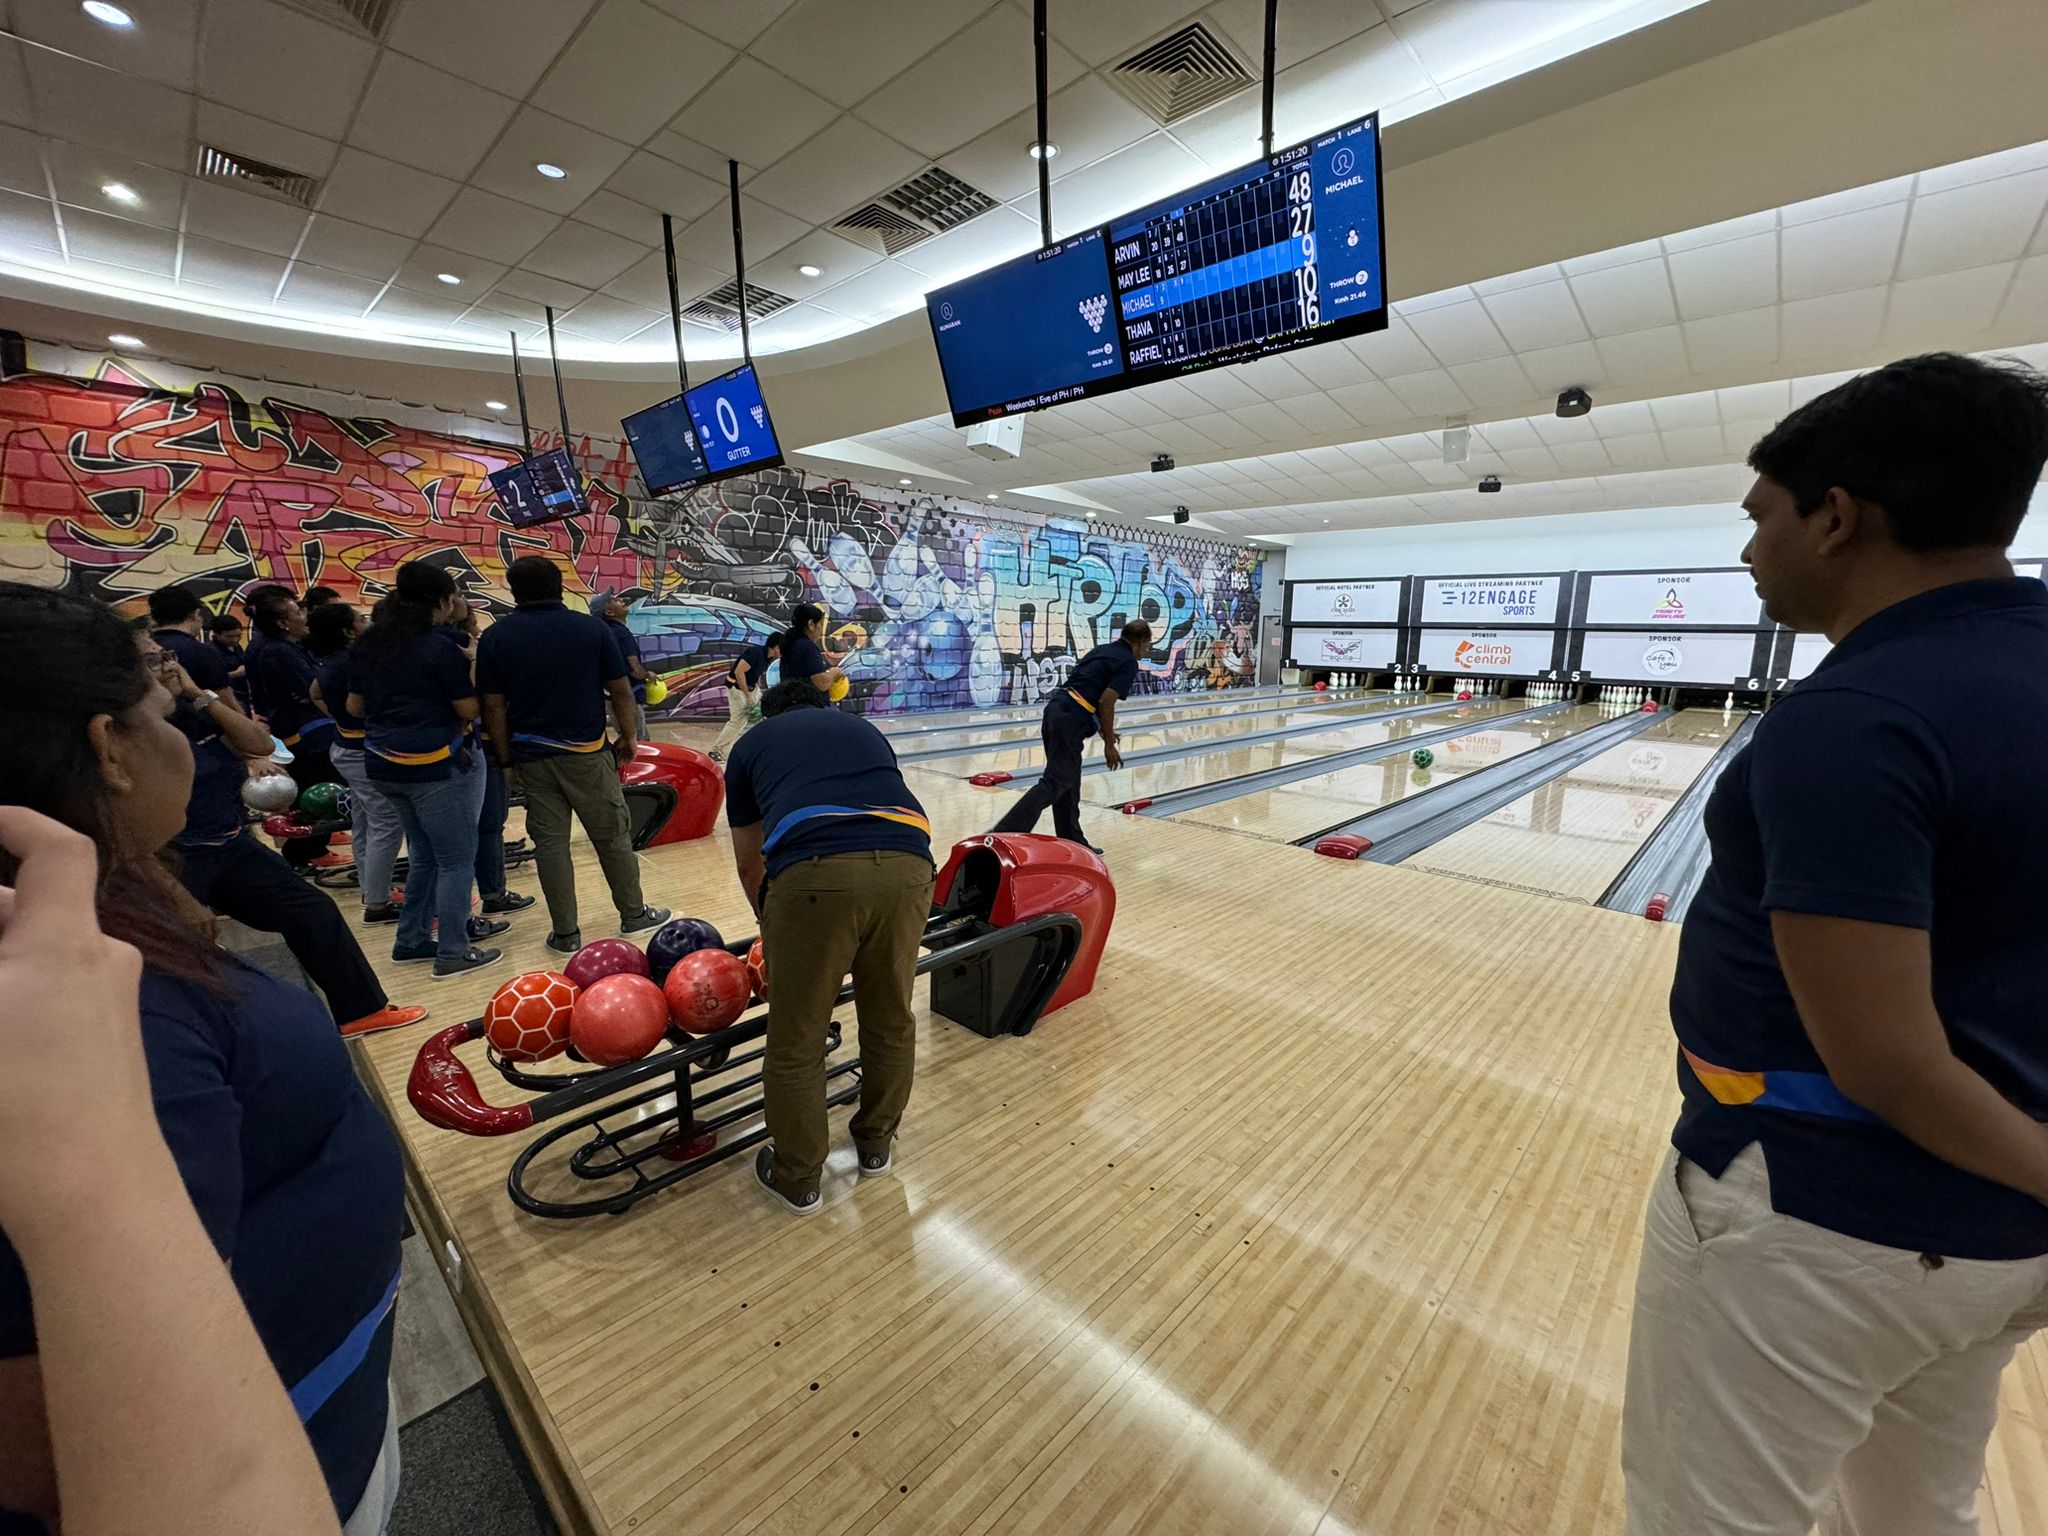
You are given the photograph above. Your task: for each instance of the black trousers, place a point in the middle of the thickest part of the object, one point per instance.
(1064, 730)
(246, 881)
(309, 766)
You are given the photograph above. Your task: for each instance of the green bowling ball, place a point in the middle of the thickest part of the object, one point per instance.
(321, 802)
(1422, 757)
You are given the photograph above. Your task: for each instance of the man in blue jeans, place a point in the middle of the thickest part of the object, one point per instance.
(1849, 1236)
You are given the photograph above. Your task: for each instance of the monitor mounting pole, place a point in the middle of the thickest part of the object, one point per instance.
(561, 400)
(675, 303)
(739, 255)
(1266, 98)
(1044, 145)
(519, 383)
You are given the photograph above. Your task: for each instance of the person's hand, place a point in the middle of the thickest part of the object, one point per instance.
(176, 680)
(1110, 755)
(622, 750)
(71, 1035)
(267, 768)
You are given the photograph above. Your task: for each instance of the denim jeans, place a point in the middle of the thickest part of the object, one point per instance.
(439, 817)
(494, 801)
(378, 836)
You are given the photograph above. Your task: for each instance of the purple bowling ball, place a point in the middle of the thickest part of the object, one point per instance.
(676, 938)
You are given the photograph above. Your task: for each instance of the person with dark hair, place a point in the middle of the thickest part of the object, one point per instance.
(835, 856)
(225, 636)
(612, 607)
(261, 592)
(281, 684)
(1086, 704)
(1849, 1235)
(546, 674)
(330, 632)
(410, 685)
(295, 1175)
(743, 692)
(320, 597)
(803, 654)
(176, 623)
(494, 806)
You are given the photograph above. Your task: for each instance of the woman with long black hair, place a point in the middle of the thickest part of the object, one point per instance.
(803, 650)
(295, 1176)
(410, 685)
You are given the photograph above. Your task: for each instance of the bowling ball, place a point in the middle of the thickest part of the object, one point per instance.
(753, 714)
(840, 689)
(527, 1019)
(618, 1018)
(707, 990)
(943, 648)
(676, 938)
(1322, 687)
(602, 958)
(318, 802)
(657, 691)
(757, 970)
(1422, 757)
(1464, 694)
(271, 793)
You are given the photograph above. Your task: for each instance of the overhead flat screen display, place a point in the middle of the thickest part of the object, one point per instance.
(541, 489)
(1283, 253)
(734, 432)
(664, 443)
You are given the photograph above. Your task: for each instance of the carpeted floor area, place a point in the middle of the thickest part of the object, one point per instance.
(461, 1470)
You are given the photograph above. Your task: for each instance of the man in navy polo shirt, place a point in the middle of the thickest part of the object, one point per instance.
(1849, 1240)
(613, 608)
(743, 692)
(175, 616)
(546, 674)
(1086, 704)
(835, 854)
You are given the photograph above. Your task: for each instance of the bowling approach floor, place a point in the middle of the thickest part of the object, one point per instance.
(1319, 1215)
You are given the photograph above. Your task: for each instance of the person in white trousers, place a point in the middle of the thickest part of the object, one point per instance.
(743, 692)
(1849, 1236)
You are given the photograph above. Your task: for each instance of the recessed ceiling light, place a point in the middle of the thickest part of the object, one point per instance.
(494, 405)
(1326, 519)
(1043, 152)
(123, 339)
(904, 481)
(120, 192)
(991, 495)
(1091, 517)
(449, 278)
(551, 171)
(808, 270)
(107, 15)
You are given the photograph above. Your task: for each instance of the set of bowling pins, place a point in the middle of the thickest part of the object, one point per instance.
(1347, 679)
(1480, 687)
(1547, 692)
(1615, 701)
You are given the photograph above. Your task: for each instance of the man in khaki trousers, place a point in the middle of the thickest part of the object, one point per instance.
(835, 854)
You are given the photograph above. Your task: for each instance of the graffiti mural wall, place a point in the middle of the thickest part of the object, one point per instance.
(116, 479)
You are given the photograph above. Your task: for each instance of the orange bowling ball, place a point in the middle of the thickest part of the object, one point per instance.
(527, 1019)
(618, 1018)
(707, 990)
(757, 970)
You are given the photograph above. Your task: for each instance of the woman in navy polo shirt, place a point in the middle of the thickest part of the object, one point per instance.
(803, 650)
(331, 629)
(410, 685)
(295, 1176)
(281, 684)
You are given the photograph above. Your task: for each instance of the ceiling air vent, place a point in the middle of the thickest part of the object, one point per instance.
(882, 229)
(1181, 74)
(372, 18)
(219, 165)
(930, 203)
(720, 308)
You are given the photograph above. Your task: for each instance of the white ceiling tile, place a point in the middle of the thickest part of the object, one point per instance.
(309, 287)
(353, 248)
(583, 254)
(1746, 227)
(1436, 298)
(1327, 367)
(1130, 409)
(1372, 68)
(1581, 458)
(708, 240)
(79, 172)
(1743, 402)
(14, 97)
(2039, 244)
(1221, 388)
(1307, 27)
(1432, 392)
(1698, 408)
(1625, 298)
(840, 169)
(606, 319)
(405, 309)
(701, 158)
(967, 85)
(1222, 429)
(1552, 369)
(629, 71)
(1397, 349)
(137, 118)
(1529, 277)
(2005, 162)
(981, 242)
(835, 259)
(1936, 311)
(504, 44)
(1719, 279)
(1552, 429)
(879, 293)
(277, 63)
(1690, 445)
(1087, 121)
(422, 116)
(1827, 327)
(621, 215)
(1130, 178)
(28, 228)
(94, 237)
(1622, 418)
(534, 137)
(1500, 436)
(1642, 356)
(1640, 450)
(1856, 199)
(495, 228)
(1275, 377)
(421, 271)
(1370, 402)
(1808, 386)
(373, 190)
(1319, 415)
(1972, 226)
(737, 22)
(160, 49)
(646, 282)
(243, 218)
(1529, 463)
(2026, 305)
(844, 49)
(1616, 256)
(1854, 250)
(1458, 333)
(1744, 342)
(538, 288)
(1541, 315)
(260, 139)
(1493, 384)
(665, 186)
(751, 113)
(250, 275)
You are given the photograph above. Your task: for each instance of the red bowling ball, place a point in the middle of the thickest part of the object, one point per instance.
(605, 957)
(757, 970)
(707, 990)
(618, 1018)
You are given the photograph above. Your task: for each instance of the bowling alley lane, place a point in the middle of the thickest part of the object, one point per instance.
(1154, 779)
(1572, 836)
(1026, 757)
(905, 729)
(1329, 800)
(1256, 713)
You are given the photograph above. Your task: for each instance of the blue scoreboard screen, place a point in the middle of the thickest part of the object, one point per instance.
(734, 431)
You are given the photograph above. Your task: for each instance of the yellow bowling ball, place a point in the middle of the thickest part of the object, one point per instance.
(840, 689)
(657, 691)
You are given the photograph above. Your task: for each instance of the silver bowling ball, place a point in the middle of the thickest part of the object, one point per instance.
(270, 794)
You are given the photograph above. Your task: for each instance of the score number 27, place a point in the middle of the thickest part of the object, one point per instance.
(1301, 221)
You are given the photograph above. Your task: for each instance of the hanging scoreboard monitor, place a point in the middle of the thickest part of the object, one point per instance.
(1286, 252)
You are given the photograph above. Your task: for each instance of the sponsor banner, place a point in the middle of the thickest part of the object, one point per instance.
(1344, 602)
(1490, 599)
(1609, 816)
(1518, 653)
(1807, 650)
(1674, 600)
(1653, 657)
(1364, 649)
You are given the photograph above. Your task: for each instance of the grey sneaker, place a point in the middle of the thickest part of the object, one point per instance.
(876, 1161)
(471, 959)
(764, 1175)
(565, 943)
(645, 918)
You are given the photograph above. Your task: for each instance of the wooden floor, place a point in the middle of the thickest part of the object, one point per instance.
(1319, 1215)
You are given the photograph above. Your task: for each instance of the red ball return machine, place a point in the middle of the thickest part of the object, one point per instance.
(1017, 930)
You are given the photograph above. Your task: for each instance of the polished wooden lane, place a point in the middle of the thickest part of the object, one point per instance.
(1263, 711)
(1328, 800)
(1015, 714)
(1572, 836)
(1319, 1215)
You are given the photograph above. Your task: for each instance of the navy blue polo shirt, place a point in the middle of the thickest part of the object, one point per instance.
(234, 659)
(331, 673)
(213, 811)
(629, 651)
(802, 660)
(411, 730)
(1902, 783)
(822, 782)
(202, 663)
(551, 664)
(296, 1179)
(755, 659)
(281, 684)
(1114, 665)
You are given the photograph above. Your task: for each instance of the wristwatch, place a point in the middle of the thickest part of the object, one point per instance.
(204, 699)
